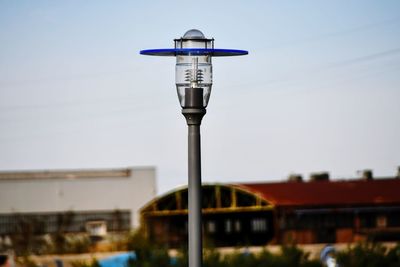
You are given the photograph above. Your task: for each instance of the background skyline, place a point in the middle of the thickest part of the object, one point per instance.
(319, 90)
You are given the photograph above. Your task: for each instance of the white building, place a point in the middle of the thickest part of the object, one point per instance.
(73, 198)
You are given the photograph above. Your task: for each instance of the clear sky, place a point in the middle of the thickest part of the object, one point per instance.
(319, 90)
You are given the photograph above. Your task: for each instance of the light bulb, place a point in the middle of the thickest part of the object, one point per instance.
(193, 72)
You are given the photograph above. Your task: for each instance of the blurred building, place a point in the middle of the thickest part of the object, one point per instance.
(73, 201)
(232, 215)
(317, 211)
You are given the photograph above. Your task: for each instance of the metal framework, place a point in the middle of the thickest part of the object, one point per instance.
(214, 201)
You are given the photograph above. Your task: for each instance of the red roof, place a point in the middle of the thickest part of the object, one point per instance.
(353, 192)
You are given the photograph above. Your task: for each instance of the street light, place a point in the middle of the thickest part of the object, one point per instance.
(193, 78)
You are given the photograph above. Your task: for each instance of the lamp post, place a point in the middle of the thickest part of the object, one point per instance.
(193, 78)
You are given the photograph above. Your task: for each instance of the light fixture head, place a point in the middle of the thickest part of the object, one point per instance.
(193, 75)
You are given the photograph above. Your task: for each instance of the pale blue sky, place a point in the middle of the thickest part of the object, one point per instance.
(319, 90)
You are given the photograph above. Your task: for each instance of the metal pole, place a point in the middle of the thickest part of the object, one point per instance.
(195, 233)
(193, 117)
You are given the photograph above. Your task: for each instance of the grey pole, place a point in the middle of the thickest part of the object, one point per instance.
(195, 234)
(193, 117)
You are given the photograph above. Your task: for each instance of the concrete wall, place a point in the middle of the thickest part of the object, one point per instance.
(79, 194)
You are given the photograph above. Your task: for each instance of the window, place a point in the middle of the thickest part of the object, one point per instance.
(245, 200)
(259, 225)
(211, 227)
(226, 197)
(96, 228)
(228, 226)
(381, 221)
(237, 226)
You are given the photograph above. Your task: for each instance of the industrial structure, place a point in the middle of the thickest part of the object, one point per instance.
(74, 201)
(231, 216)
(316, 211)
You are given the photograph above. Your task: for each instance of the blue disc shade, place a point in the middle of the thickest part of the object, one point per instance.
(172, 52)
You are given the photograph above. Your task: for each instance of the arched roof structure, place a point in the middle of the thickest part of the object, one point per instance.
(217, 198)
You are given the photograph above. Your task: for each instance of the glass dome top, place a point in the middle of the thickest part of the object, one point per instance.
(193, 34)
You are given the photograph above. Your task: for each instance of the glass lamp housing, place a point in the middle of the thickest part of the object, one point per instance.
(193, 76)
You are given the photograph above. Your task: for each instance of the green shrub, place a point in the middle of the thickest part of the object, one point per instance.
(369, 255)
(290, 256)
(393, 256)
(147, 254)
(26, 261)
(212, 258)
(361, 255)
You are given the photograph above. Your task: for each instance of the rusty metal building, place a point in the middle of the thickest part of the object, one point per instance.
(316, 211)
